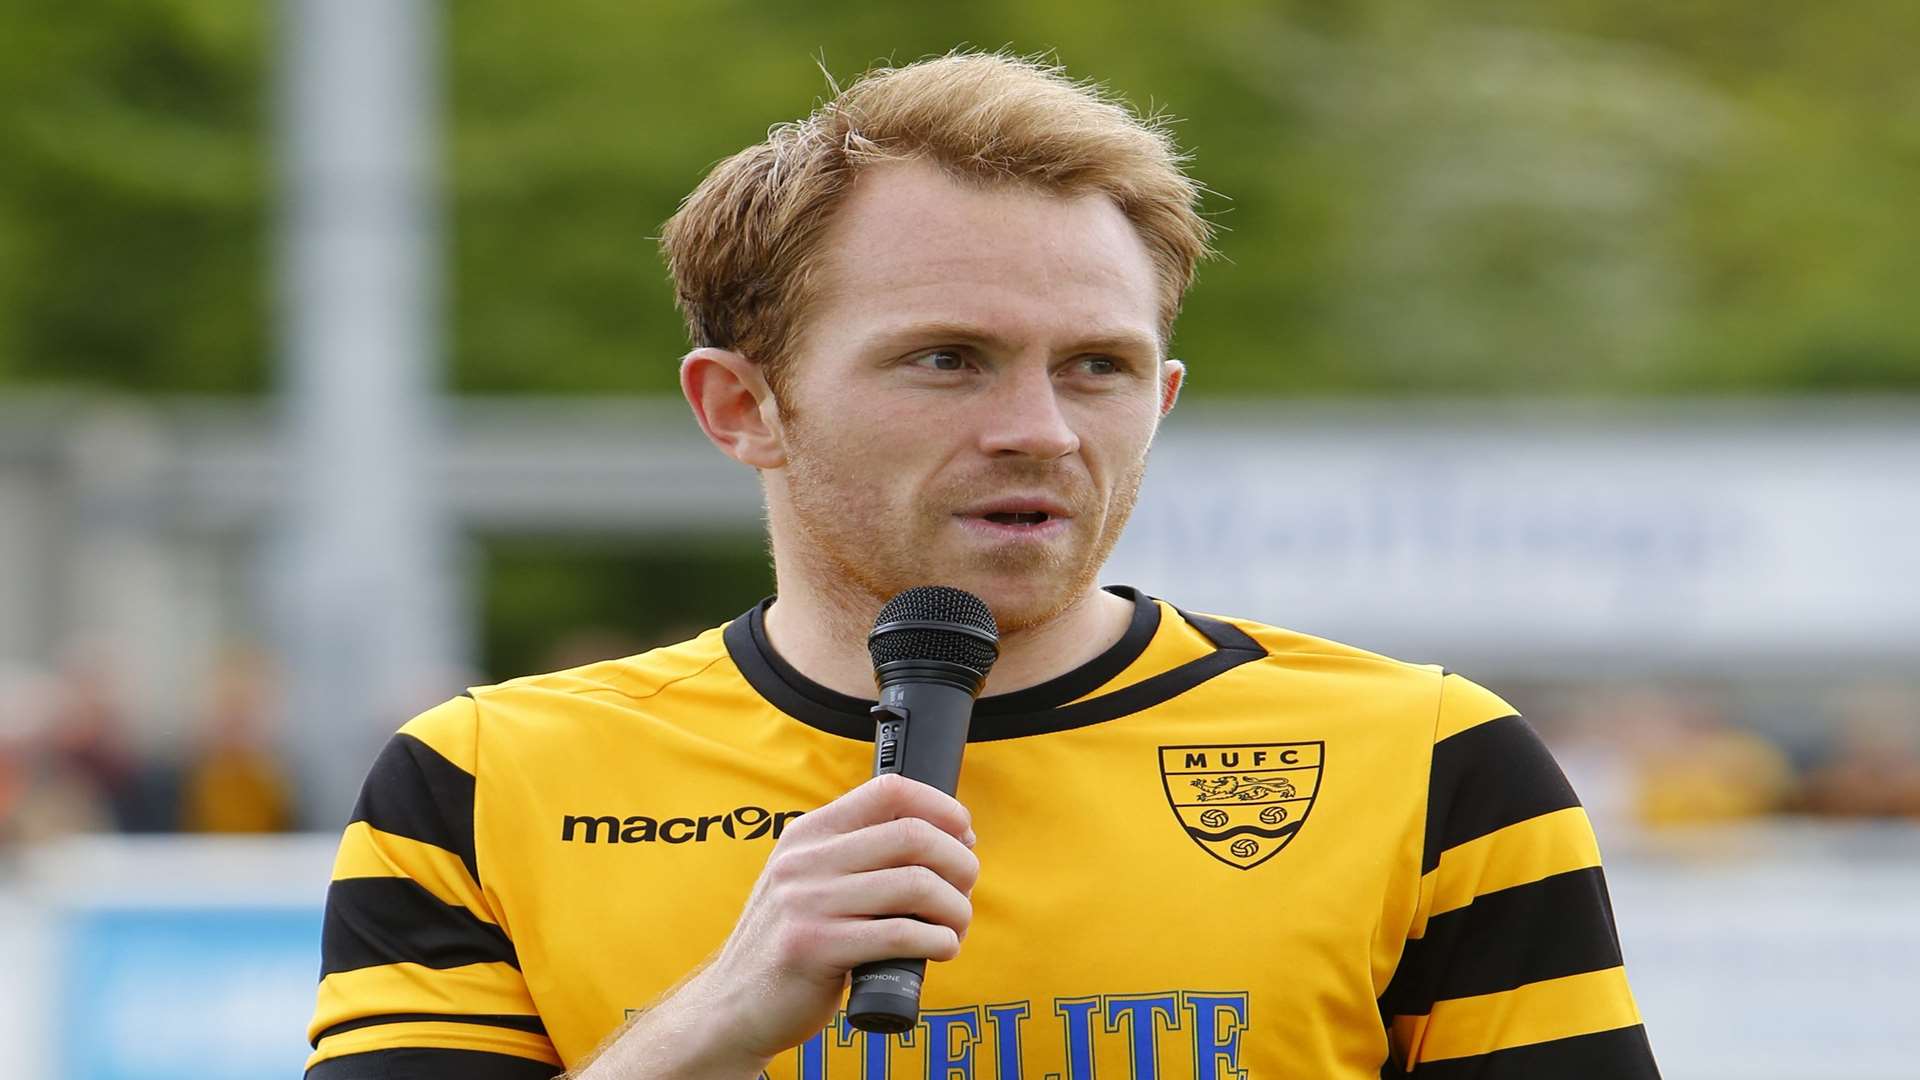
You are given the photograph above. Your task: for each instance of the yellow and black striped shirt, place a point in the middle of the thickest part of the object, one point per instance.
(1219, 850)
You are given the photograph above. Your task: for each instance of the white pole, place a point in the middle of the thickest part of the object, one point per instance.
(368, 609)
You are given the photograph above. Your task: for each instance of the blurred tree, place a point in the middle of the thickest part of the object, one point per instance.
(1613, 196)
(133, 183)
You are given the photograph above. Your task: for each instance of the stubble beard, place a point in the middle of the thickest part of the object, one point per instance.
(853, 549)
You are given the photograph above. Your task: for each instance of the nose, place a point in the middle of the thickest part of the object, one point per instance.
(1023, 417)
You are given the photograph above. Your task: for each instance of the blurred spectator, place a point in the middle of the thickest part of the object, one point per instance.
(1662, 755)
(1874, 769)
(21, 695)
(41, 797)
(86, 747)
(234, 782)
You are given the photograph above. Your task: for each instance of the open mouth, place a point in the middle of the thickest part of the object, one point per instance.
(1021, 517)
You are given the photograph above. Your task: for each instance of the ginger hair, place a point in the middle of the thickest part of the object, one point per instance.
(744, 249)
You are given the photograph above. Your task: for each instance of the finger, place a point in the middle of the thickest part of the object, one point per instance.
(898, 891)
(885, 798)
(859, 941)
(908, 841)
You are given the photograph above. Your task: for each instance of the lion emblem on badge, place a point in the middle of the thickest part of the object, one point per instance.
(1243, 788)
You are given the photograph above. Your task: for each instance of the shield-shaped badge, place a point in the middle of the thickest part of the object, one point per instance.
(1242, 803)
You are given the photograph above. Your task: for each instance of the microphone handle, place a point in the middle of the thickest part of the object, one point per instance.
(920, 732)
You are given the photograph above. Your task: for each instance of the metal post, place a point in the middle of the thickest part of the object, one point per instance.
(364, 572)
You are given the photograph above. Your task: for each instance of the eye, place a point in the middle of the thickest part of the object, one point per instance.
(1099, 366)
(941, 360)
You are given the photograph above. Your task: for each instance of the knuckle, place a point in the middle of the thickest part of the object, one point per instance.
(922, 833)
(926, 881)
(907, 835)
(801, 942)
(892, 787)
(781, 868)
(930, 836)
(798, 830)
(908, 937)
(793, 895)
(795, 944)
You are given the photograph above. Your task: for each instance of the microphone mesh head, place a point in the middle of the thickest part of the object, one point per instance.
(962, 631)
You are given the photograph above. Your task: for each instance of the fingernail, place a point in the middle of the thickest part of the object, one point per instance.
(969, 838)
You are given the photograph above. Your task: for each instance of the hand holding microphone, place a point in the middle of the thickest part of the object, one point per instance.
(874, 883)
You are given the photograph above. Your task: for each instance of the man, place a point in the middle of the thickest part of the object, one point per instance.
(934, 317)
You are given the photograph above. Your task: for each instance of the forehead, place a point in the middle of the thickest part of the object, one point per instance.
(911, 244)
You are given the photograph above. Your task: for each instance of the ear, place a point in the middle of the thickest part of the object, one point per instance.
(1173, 374)
(734, 406)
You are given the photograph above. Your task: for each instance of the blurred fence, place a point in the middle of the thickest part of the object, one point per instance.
(1509, 539)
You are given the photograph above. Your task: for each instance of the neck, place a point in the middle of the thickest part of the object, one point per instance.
(824, 637)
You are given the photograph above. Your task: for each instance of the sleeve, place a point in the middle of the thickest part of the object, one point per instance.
(418, 980)
(1512, 967)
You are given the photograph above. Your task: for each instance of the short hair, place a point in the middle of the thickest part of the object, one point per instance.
(743, 249)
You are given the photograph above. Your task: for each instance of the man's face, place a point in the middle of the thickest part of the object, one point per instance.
(973, 393)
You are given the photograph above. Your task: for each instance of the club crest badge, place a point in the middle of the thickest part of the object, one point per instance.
(1242, 803)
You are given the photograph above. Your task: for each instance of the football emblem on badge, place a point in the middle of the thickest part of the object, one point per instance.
(1242, 802)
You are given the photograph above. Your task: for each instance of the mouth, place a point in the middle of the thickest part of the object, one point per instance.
(1017, 517)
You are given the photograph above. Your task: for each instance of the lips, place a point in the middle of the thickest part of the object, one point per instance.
(1018, 511)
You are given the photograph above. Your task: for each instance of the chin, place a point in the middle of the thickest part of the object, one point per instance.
(1022, 601)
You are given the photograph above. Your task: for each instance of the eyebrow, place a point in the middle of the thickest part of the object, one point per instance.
(1122, 341)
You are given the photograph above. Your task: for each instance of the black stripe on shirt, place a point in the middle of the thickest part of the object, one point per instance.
(420, 1064)
(517, 1022)
(414, 792)
(377, 920)
(1548, 929)
(1487, 778)
(1620, 1054)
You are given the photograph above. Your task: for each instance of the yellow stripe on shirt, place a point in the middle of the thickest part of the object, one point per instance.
(1535, 1013)
(450, 729)
(436, 1035)
(1465, 705)
(414, 988)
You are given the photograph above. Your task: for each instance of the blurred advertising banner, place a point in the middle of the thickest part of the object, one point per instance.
(1695, 536)
(213, 993)
(1758, 952)
(163, 957)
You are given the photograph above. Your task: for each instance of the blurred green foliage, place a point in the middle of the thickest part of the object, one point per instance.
(551, 602)
(1614, 196)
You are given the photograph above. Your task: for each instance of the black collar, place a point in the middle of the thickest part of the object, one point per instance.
(1033, 711)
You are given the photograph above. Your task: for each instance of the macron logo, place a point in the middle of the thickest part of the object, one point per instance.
(744, 823)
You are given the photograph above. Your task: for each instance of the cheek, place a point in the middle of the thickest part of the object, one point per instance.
(875, 466)
(1114, 442)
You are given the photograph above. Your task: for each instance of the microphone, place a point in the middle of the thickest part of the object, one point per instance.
(932, 647)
